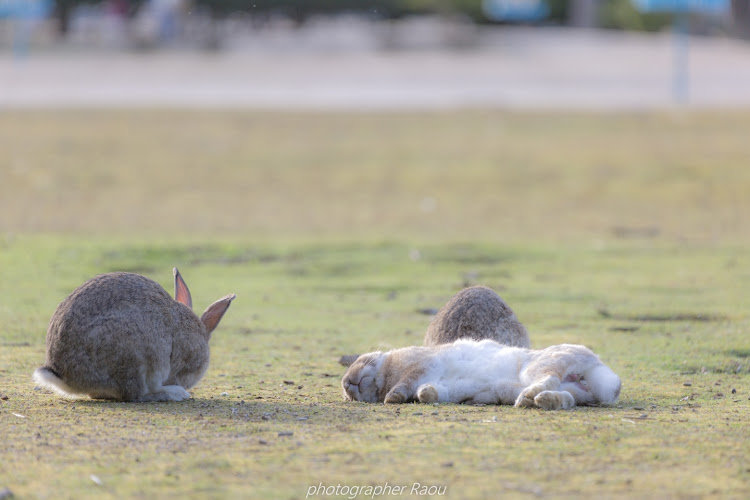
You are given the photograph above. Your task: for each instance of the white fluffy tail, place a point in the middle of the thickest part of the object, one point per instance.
(604, 384)
(45, 377)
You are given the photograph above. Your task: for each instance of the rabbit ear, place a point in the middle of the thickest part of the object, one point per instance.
(181, 292)
(215, 312)
(348, 359)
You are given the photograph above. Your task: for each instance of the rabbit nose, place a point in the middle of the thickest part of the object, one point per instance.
(349, 383)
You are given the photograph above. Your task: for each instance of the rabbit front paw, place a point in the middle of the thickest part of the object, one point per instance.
(395, 397)
(427, 394)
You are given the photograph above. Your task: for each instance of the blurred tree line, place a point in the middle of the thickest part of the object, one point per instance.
(302, 9)
(614, 14)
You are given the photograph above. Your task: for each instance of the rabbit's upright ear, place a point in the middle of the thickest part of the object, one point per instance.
(215, 312)
(181, 292)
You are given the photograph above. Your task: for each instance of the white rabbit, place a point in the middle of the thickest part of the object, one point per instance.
(483, 372)
(121, 336)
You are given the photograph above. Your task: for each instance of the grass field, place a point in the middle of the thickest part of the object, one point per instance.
(628, 233)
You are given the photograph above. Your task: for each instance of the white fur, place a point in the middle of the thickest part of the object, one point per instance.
(45, 378)
(604, 384)
(166, 393)
(471, 369)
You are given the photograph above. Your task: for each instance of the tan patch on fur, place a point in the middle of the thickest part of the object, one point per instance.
(401, 369)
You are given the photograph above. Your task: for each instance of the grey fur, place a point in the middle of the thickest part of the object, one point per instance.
(477, 313)
(121, 336)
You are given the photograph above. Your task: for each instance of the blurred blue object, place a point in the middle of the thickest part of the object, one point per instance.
(25, 9)
(701, 6)
(515, 10)
(681, 52)
(24, 14)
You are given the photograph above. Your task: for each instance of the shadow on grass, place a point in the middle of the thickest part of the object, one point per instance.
(313, 413)
(232, 410)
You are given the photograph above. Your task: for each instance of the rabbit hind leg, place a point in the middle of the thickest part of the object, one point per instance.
(152, 388)
(554, 400)
(526, 397)
(159, 392)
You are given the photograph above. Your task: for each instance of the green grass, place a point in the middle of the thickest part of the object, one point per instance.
(627, 233)
(477, 176)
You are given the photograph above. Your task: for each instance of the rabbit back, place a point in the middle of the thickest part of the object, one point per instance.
(117, 336)
(477, 313)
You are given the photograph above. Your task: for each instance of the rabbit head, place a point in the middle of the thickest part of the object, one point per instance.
(362, 381)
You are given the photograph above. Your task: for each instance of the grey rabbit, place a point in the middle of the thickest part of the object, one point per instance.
(120, 336)
(476, 313)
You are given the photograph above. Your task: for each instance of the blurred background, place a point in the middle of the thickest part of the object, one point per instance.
(364, 54)
(451, 120)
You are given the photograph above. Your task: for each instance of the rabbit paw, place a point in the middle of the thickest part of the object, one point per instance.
(176, 392)
(167, 393)
(554, 400)
(395, 397)
(427, 394)
(526, 398)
